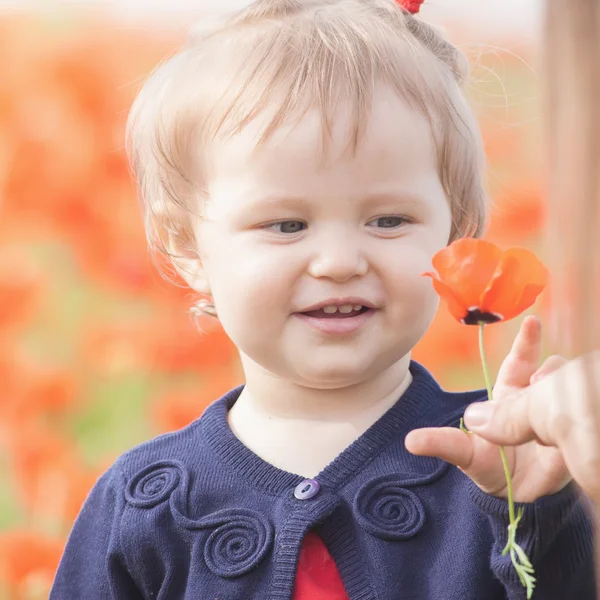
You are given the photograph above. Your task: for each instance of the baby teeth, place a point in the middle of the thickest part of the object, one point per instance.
(345, 309)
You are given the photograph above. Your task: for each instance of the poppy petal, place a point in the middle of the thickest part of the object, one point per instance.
(517, 282)
(466, 266)
(456, 306)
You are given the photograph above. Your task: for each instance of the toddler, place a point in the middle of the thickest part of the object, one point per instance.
(301, 162)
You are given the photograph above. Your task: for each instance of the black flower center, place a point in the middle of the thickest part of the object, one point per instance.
(475, 317)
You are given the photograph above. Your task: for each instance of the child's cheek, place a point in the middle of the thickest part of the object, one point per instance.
(413, 292)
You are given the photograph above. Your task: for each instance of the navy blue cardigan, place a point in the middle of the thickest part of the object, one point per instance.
(196, 515)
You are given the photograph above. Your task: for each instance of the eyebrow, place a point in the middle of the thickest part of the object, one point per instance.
(409, 199)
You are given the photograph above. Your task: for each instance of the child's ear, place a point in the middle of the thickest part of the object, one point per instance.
(188, 263)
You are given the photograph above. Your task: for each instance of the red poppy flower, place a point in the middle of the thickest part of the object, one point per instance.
(481, 283)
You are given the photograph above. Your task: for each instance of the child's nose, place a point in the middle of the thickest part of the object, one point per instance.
(338, 259)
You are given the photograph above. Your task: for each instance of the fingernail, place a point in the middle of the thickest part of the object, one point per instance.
(478, 414)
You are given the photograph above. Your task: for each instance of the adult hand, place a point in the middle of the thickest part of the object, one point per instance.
(548, 435)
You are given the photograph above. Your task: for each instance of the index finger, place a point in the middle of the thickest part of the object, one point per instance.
(554, 411)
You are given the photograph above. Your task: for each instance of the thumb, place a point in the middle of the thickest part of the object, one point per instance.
(524, 356)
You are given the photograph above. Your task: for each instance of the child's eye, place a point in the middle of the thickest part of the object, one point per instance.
(390, 222)
(295, 227)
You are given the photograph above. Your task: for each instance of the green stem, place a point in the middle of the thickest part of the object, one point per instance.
(518, 557)
(488, 384)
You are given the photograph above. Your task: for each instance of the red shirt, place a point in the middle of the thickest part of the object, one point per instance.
(317, 577)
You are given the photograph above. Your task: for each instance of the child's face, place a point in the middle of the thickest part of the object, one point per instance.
(340, 236)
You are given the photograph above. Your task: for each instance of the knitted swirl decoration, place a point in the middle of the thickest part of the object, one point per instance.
(412, 6)
(386, 509)
(154, 484)
(239, 542)
(240, 538)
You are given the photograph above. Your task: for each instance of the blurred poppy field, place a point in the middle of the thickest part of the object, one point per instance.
(97, 352)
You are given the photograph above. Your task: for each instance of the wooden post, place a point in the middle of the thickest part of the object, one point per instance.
(572, 82)
(572, 52)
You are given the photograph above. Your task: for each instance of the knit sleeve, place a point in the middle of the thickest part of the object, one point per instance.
(556, 533)
(92, 565)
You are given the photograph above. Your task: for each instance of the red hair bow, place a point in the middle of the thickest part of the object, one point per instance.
(412, 6)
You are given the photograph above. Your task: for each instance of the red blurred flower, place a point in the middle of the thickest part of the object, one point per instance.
(68, 176)
(28, 562)
(32, 450)
(32, 391)
(51, 390)
(21, 288)
(117, 347)
(51, 479)
(483, 284)
(180, 346)
(175, 409)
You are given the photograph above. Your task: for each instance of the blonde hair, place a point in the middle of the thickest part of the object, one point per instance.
(291, 56)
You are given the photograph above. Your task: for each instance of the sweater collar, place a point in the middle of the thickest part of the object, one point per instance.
(417, 405)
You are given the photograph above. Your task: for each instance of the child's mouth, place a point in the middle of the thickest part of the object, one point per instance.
(321, 314)
(337, 323)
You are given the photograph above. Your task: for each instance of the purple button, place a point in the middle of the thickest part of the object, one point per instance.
(308, 489)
